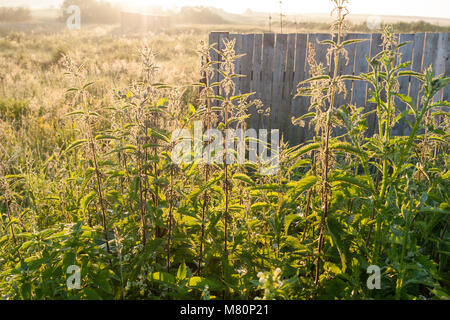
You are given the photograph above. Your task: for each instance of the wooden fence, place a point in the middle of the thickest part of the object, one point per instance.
(274, 64)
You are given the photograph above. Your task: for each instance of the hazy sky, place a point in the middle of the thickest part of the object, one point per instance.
(426, 8)
(423, 8)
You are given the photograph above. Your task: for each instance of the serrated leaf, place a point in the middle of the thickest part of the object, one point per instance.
(76, 144)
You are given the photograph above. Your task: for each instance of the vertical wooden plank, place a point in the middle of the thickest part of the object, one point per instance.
(321, 51)
(246, 70)
(440, 59)
(299, 104)
(446, 95)
(256, 120)
(278, 81)
(247, 62)
(237, 63)
(439, 66)
(429, 55)
(375, 48)
(415, 85)
(214, 41)
(267, 75)
(288, 88)
(348, 69)
(406, 55)
(223, 36)
(430, 51)
(361, 66)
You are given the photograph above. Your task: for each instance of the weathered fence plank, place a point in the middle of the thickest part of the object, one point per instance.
(376, 46)
(361, 66)
(348, 69)
(406, 53)
(441, 58)
(237, 63)
(246, 71)
(267, 75)
(214, 56)
(221, 46)
(257, 80)
(430, 51)
(278, 75)
(299, 104)
(246, 62)
(288, 89)
(446, 94)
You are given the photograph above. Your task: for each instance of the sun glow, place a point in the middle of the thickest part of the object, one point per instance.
(430, 8)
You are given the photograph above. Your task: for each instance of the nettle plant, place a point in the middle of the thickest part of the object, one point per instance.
(111, 201)
(382, 198)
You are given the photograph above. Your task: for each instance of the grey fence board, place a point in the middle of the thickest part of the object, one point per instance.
(419, 42)
(256, 78)
(361, 66)
(446, 95)
(237, 64)
(246, 71)
(278, 80)
(267, 75)
(348, 69)
(299, 104)
(376, 46)
(288, 90)
(406, 53)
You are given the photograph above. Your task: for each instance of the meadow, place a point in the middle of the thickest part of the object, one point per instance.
(88, 184)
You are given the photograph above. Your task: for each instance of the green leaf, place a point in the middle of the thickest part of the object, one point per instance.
(303, 150)
(353, 180)
(102, 279)
(347, 147)
(288, 220)
(313, 79)
(336, 230)
(76, 144)
(105, 137)
(162, 277)
(191, 109)
(244, 178)
(296, 244)
(88, 85)
(74, 113)
(181, 273)
(352, 41)
(259, 205)
(301, 186)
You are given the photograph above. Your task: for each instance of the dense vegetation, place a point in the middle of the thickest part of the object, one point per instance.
(93, 11)
(87, 179)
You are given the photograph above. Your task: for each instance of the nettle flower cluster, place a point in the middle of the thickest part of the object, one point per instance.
(271, 283)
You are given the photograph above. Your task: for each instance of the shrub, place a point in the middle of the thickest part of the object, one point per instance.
(93, 11)
(14, 14)
(12, 109)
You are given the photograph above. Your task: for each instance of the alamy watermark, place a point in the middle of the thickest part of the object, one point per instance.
(74, 277)
(227, 147)
(74, 20)
(374, 280)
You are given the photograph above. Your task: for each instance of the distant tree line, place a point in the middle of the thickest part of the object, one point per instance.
(14, 14)
(199, 15)
(93, 11)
